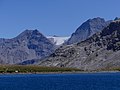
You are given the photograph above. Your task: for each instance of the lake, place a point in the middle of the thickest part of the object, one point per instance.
(83, 81)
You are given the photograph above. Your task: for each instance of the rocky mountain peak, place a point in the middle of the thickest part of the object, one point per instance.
(87, 29)
(114, 26)
(29, 33)
(97, 19)
(117, 18)
(99, 52)
(28, 45)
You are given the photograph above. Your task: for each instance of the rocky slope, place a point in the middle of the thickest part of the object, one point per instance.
(102, 50)
(30, 44)
(87, 29)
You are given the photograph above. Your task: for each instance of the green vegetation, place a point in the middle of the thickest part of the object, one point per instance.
(115, 69)
(108, 69)
(33, 69)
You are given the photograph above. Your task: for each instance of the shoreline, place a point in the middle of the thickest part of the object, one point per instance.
(31, 69)
(79, 72)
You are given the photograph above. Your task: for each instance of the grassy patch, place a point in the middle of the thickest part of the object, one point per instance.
(108, 69)
(33, 69)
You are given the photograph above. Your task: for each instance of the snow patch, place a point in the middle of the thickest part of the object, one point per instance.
(58, 40)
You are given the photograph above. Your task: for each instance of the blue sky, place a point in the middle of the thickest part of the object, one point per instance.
(52, 17)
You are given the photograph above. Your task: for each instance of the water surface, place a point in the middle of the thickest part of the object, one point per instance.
(85, 81)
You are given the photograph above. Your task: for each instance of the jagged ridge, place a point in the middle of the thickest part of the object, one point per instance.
(30, 44)
(87, 29)
(100, 51)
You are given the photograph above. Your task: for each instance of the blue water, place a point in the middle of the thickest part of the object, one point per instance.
(97, 81)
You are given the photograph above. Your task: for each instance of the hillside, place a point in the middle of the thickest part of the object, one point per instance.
(30, 44)
(100, 51)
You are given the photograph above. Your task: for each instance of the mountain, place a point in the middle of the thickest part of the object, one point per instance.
(100, 51)
(117, 18)
(87, 29)
(30, 44)
(57, 40)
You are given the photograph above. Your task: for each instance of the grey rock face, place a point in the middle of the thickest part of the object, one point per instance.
(100, 51)
(30, 44)
(87, 29)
